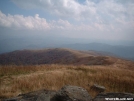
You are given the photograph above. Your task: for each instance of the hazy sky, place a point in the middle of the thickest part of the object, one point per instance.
(87, 19)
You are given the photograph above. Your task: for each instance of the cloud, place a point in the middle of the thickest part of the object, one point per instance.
(35, 23)
(21, 22)
(94, 18)
(62, 8)
(109, 17)
(89, 10)
(38, 23)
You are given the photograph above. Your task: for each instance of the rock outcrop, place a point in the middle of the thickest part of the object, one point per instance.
(66, 93)
(71, 93)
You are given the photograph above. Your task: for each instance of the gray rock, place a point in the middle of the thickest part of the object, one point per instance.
(114, 97)
(72, 93)
(47, 96)
(66, 93)
(41, 95)
(98, 88)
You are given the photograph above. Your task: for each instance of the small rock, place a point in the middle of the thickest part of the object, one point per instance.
(98, 88)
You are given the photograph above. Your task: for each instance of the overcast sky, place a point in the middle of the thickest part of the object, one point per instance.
(87, 19)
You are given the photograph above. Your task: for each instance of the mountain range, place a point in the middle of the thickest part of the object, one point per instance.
(126, 52)
(122, 51)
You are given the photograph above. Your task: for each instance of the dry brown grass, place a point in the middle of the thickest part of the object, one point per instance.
(15, 80)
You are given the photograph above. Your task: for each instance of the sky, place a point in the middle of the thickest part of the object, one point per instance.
(83, 20)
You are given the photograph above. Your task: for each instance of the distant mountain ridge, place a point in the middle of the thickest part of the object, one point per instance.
(55, 56)
(8, 45)
(126, 52)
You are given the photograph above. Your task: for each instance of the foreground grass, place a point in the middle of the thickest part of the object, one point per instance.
(16, 80)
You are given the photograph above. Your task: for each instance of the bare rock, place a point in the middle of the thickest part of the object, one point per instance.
(41, 95)
(114, 97)
(72, 93)
(66, 93)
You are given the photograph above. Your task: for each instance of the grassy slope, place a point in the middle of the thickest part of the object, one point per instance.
(15, 80)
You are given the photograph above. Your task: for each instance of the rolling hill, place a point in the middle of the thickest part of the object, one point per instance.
(56, 56)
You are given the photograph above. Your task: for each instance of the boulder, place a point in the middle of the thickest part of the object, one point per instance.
(72, 93)
(114, 97)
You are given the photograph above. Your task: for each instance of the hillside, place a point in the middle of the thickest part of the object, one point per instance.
(17, 80)
(58, 67)
(55, 56)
